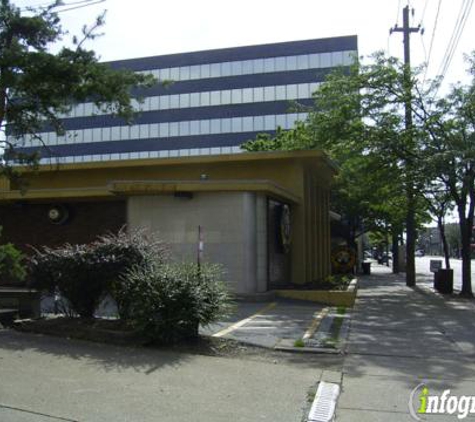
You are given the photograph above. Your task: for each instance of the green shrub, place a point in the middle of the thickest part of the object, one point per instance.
(169, 302)
(12, 268)
(84, 274)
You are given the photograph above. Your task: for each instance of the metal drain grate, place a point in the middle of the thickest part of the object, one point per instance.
(324, 403)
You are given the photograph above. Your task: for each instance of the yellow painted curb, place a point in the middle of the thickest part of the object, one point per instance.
(327, 297)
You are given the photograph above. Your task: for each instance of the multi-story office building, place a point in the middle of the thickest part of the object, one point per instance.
(218, 100)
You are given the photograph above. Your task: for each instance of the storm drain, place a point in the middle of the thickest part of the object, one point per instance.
(324, 403)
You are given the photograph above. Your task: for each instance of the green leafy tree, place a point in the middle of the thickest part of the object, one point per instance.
(37, 85)
(449, 154)
(358, 119)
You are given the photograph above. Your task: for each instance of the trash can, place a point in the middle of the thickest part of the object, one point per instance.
(366, 266)
(444, 281)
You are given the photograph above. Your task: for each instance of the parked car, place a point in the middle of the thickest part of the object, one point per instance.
(420, 252)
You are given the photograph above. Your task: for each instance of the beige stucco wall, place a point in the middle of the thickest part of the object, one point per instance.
(233, 225)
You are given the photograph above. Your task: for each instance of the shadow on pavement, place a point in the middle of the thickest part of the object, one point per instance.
(107, 357)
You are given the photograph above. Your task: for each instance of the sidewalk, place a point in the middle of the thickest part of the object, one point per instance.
(399, 338)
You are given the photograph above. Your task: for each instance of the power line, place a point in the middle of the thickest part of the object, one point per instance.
(79, 3)
(81, 7)
(434, 29)
(424, 11)
(456, 35)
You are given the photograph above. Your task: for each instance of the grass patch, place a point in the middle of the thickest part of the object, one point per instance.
(299, 343)
(341, 310)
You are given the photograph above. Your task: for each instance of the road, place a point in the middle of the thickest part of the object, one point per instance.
(423, 267)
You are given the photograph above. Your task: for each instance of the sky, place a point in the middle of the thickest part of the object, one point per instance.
(142, 28)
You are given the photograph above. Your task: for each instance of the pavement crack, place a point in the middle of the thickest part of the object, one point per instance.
(32, 412)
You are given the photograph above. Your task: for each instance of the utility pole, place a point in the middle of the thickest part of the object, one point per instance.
(411, 232)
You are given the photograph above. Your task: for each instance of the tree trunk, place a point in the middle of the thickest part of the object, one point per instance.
(466, 234)
(440, 223)
(411, 236)
(395, 247)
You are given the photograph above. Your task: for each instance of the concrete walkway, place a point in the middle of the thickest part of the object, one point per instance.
(399, 338)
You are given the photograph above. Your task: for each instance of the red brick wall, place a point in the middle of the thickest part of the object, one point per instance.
(28, 224)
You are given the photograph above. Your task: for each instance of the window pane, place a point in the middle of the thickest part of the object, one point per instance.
(325, 60)
(303, 90)
(215, 126)
(184, 128)
(225, 125)
(247, 67)
(184, 100)
(258, 123)
(184, 73)
(349, 57)
(87, 109)
(302, 62)
(205, 71)
(226, 97)
(226, 69)
(280, 120)
(258, 94)
(247, 95)
(314, 86)
(247, 124)
(96, 135)
(204, 99)
(173, 128)
(154, 130)
(215, 98)
(280, 65)
(164, 102)
(280, 92)
(236, 124)
(269, 65)
(106, 135)
(291, 119)
(314, 61)
(236, 96)
(174, 101)
(195, 127)
(144, 131)
(195, 99)
(236, 68)
(291, 63)
(337, 58)
(87, 136)
(154, 103)
(195, 72)
(216, 70)
(163, 130)
(269, 93)
(291, 92)
(164, 74)
(269, 123)
(175, 73)
(258, 65)
(115, 133)
(134, 132)
(204, 126)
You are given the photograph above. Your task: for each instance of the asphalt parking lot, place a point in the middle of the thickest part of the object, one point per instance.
(267, 323)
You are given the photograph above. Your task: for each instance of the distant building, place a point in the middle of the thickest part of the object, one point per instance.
(218, 100)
